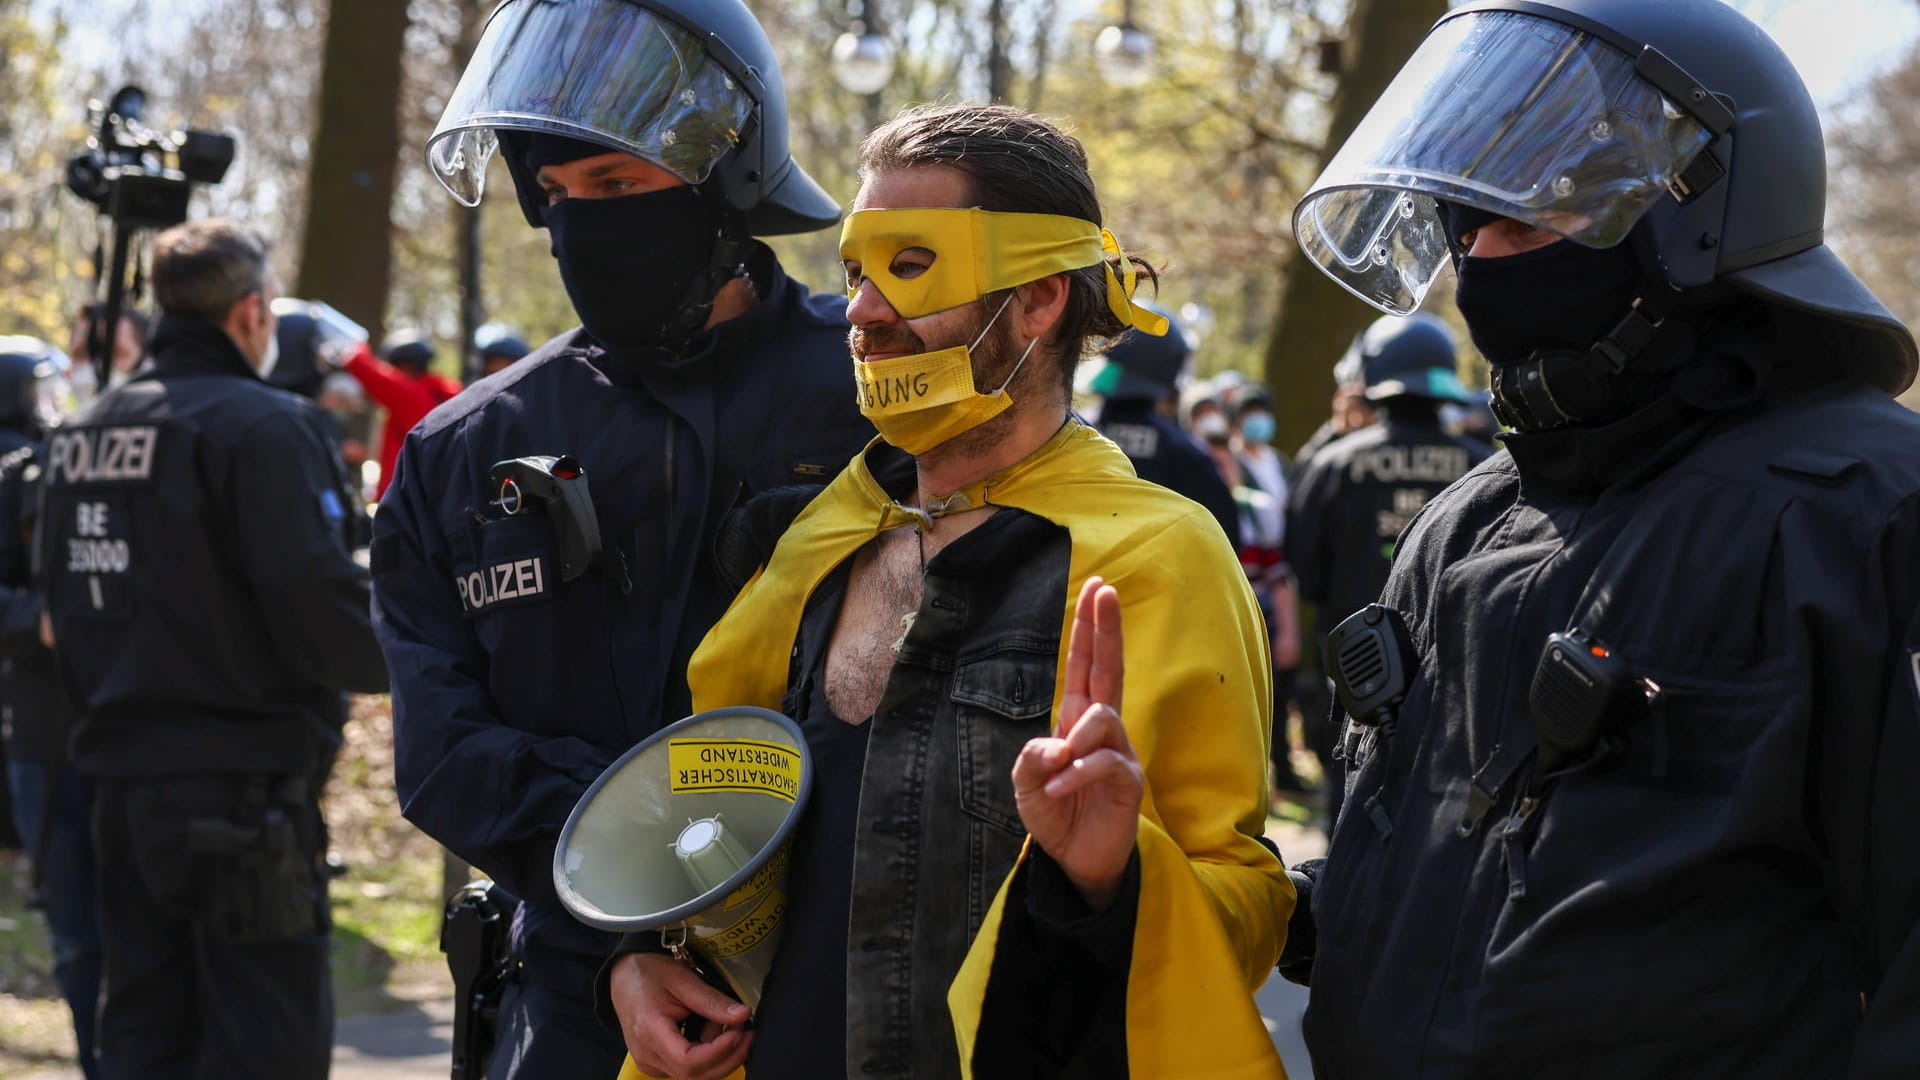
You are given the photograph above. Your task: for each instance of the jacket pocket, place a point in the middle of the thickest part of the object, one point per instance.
(1002, 699)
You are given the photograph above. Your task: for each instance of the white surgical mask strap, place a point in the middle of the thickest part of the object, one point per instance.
(990, 322)
(1016, 367)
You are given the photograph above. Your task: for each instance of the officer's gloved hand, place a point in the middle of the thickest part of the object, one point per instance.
(1296, 959)
(748, 533)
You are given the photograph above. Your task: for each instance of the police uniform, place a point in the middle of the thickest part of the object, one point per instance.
(513, 689)
(1645, 808)
(208, 615)
(1354, 498)
(1358, 494)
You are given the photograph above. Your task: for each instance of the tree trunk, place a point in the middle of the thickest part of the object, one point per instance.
(347, 257)
(1317, 318)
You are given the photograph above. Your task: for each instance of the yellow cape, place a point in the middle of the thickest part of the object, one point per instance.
(1213, 902)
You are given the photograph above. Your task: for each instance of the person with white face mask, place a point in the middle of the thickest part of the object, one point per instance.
(203, 602)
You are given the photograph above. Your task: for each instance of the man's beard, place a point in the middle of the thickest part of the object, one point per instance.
(993, 360)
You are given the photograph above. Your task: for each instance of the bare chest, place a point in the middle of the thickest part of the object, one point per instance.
(882, 590)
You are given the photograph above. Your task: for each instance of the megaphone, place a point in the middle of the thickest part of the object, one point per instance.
(687, 834)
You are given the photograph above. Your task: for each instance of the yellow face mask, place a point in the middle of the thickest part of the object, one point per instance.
(925, 260)
(928, 260)
(919, 401)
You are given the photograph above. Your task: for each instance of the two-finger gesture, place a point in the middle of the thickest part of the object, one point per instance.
(1079, 790)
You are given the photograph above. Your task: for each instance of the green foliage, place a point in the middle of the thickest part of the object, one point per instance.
(1198, 170)
(39, 128)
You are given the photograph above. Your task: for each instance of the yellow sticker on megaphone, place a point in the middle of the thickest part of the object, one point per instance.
(768, 876)
(698, 765)
(752, 930)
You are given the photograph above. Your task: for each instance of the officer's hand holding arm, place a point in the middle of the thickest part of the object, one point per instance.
(1079, 792)
(653, 994)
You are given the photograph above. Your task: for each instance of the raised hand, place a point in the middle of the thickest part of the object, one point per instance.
(1079, 790)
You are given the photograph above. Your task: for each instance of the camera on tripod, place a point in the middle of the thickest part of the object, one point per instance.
(139, 177)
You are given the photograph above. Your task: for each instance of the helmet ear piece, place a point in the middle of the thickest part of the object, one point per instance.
(1679, 241)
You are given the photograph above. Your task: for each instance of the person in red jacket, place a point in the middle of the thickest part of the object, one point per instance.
(405, 385)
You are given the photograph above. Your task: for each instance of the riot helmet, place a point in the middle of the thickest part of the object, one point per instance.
(1408, 356)
(1675, 126)
(691, 86)
(30, 370)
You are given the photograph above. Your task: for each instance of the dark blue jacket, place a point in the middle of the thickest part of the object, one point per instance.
(1732, 890)
(509, 701)
(194, 543)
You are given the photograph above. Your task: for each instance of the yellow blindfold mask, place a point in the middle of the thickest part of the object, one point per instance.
(932, 259)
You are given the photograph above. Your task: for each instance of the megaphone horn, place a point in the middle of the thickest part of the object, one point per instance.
(687, 834)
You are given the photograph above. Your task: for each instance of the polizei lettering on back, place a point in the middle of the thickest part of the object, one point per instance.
(517, 580)
(894, 390)
(1409, 465)
(101, 455)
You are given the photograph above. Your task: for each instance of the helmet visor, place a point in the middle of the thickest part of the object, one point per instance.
(1505, 112)
(604, 71)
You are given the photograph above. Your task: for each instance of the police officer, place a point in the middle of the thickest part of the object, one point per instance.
(1138, 384)
(207, 614)
(701, 374)
(52, 802)
(1360, 490)
(1357, 494)
(1646, 808)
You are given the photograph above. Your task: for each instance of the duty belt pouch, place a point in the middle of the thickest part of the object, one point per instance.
(262, 880)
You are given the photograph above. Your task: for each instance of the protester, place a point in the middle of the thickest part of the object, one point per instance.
(928, 616)
(1263, 490)
(701, 375)
(1646, 807)
(203, 599)
(405, 385)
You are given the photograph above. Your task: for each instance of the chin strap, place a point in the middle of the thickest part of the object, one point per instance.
(727, 262)
(1559, 388)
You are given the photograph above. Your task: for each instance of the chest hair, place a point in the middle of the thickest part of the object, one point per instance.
(884, 585)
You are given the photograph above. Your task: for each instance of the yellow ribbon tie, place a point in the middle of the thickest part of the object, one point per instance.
(1120, 296)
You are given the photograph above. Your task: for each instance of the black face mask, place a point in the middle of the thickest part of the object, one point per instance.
(631, 264)
(1564, 296)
